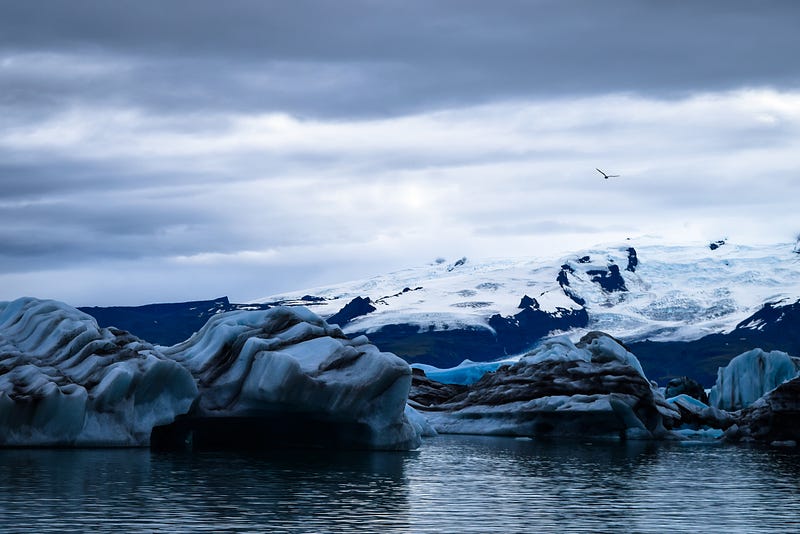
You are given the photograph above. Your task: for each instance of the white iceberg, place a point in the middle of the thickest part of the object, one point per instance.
(749, 376)
(420, 422)
(66, 382)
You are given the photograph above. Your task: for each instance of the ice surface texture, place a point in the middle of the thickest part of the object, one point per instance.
(267, 374)
(749, 376)
(66, 382)
(289, 363)
(592, 388)
(467, 372)
(775, 417)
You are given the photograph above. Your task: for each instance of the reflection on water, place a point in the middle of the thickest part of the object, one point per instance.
(452, 484)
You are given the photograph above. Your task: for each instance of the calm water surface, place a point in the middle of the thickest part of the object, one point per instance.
(452, 484)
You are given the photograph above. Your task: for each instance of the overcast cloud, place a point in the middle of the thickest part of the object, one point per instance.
(164, 151)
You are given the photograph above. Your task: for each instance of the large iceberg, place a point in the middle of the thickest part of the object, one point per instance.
(592, 388)
(749, 376)
(285, 376)
(277, 377)
(66, 382)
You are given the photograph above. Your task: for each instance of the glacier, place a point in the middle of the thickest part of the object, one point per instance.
(750, 375)
(674, 292)
(66, 382)
(489, 309)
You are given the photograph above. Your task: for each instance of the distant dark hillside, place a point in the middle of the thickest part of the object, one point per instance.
(449, 347)
(163, 324)
(776, 326)
(168, 324)
(773, 327)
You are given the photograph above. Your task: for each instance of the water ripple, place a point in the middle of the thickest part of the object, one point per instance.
(453, 484)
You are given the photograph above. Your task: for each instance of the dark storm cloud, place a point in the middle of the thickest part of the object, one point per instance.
(382, 58)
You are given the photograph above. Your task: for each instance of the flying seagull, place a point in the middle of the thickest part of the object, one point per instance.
(607, 176)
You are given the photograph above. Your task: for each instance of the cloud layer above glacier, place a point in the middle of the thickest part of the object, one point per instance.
(157, 152)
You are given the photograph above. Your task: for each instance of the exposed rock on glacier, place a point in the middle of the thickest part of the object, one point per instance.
(749, 376)
(593, 388)
(518, 332)
(66, 382)
(633, 260)
(775, 326)
(355, 308)
(286, 377)
(610, 280)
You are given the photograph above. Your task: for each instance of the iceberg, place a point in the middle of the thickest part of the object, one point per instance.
(467, 372)
(284, 376)
(592, 388)
(276, 377)
(420, 423)
(698, 418)
(749, 376)
(66, 382)
(774, 418)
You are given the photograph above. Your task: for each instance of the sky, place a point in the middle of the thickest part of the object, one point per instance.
(185, 150)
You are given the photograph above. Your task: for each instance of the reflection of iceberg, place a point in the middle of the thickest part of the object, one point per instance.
(277, 377)
(64, 381)
(749, 376)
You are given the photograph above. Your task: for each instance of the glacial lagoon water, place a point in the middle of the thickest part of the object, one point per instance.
(452, 484)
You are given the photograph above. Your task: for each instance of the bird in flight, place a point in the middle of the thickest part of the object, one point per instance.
(607, 176)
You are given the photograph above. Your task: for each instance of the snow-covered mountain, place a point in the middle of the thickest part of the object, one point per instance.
(636, 292)
(683, 310)
(447, 311)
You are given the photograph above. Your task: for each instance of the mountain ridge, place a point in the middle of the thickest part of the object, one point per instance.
(683, 309)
